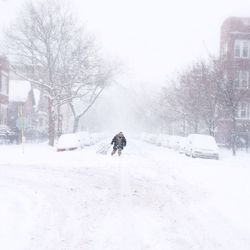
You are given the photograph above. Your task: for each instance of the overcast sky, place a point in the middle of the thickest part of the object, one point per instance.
(152, 38)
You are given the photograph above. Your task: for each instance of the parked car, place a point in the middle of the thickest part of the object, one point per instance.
(182, 145)
(8, 135)
(174, 142)
(68, 142)
(85, 138)
(12, 136)
(203, 146)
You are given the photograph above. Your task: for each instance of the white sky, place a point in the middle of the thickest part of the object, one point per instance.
(152, 38)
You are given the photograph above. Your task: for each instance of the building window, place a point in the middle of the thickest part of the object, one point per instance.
(4, 84)
(243, 110)
(242, 79)
(241, 49)
(237, 49)
(3, 114)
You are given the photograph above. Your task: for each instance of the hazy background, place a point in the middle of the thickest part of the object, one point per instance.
(152, 39)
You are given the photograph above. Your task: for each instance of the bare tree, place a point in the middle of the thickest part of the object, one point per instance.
(172, 111)
(210, 97)
(85, 93)
(48, 48)
(183, 99)
(192, 100)
(207, 95)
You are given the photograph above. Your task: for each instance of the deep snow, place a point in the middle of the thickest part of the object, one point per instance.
(150, 198)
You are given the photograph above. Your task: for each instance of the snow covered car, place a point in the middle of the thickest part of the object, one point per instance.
(85, 138)
(174, 142)
(203, 146)
(68, 142)
(182, 145)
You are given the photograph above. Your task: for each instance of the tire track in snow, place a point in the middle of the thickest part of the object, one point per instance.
(116, 228)
(130, 237)
(192, 224)
(127, 226)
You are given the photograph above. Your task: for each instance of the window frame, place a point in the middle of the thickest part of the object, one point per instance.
(242, 109)
(239, 49)
(239, 79)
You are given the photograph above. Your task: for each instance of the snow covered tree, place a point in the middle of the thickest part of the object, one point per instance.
(86, 92)
(183, 99)
(210, 98)
(205, 96)
(172, 112)
(49, 48)
(192, 99)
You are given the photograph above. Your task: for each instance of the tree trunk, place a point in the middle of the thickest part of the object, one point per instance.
(184, 125)
(211, 128)
(59, 121)
(51, 126)
(234, 137)
(196, 127)
(76, 124)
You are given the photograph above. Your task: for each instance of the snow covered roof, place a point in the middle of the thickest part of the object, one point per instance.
(19, 90)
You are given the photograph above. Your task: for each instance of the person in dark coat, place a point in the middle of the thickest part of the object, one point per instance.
(119, 142)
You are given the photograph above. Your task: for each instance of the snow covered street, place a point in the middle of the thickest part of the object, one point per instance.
(150, 198)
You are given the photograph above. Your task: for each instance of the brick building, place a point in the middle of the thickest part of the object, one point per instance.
(235, 53)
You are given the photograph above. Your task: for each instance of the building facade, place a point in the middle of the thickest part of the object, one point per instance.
(4, 90)
(24, 117)
(235, 55)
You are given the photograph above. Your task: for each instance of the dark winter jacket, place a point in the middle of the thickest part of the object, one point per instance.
(119, 141)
